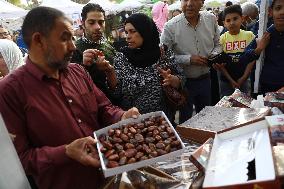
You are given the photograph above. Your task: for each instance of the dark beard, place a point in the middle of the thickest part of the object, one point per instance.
(57, 64)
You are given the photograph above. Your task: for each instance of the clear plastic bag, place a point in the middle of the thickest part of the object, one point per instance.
(175, 173)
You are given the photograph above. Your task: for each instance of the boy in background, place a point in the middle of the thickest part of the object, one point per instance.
(234, 41)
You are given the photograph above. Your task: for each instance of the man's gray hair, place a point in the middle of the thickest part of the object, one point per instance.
(249, 8)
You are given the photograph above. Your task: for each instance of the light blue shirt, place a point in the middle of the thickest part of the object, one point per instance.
(186, 40)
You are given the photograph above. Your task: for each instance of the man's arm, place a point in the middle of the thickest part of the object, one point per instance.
(217, 46)
(167, 40)
(35, 160)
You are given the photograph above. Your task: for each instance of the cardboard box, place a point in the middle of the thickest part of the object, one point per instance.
(117, 170)
(274, 100)
(242, 158)
(276, 128)
(212, 120)
(201, 156)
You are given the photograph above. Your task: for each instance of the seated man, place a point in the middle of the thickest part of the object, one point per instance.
(54, 107)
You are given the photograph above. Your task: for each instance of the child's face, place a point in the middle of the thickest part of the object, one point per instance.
(278, 15)
(233, 22)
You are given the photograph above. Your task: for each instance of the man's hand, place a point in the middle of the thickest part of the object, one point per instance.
(262, 43)
(103, 65)
(198, 60)
(88, 59)
(131, 113)
(84, 151)
(89, 55)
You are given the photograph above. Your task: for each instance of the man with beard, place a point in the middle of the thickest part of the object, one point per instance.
(193, 36)
(53, 107)
(93, 17)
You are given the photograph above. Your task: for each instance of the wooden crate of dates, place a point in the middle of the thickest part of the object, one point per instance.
(135, 143)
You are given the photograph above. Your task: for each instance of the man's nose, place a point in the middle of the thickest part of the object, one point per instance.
(97, 25)
(72, 46)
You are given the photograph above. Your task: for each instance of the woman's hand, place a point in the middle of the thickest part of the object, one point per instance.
(172, 81)
(169, 79)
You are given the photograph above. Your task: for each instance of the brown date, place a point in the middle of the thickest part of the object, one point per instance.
(112, 164)
(130, 153)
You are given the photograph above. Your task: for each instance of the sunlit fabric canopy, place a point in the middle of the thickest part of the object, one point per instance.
(67, 6)
(109, 7)
(129, 5)
(10, 11)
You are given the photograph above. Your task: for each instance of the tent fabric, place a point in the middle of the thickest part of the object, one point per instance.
(129, 5)
(10, 11)
(67, 6)
(109, 7)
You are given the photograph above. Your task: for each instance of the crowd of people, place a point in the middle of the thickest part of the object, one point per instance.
(54, 97)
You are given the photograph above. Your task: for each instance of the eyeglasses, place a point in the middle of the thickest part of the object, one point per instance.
(4, 34)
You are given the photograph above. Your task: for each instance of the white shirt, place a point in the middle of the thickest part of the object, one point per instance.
(186, 40)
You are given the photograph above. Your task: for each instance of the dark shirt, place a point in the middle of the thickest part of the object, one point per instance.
(235, 69)
(45, 114)
(98, 76)
(273, 68)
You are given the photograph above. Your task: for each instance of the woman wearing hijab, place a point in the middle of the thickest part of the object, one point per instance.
(139, 79)
(10, 57)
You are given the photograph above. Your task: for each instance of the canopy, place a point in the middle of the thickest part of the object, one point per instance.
(10, 11)
(67, 6)
(175, 6)
(129, 5)
(109, 7)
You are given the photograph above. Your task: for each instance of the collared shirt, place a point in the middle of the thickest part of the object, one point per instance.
(45, 114)
(186, 40)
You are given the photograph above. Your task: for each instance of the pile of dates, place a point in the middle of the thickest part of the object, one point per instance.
(134, 142)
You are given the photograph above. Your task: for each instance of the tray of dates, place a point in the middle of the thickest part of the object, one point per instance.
(134, 143)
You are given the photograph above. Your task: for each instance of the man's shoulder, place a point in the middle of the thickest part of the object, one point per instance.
(175, 20)
(76, 68)
(81, 45)
(207, 15)
(13, 81)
